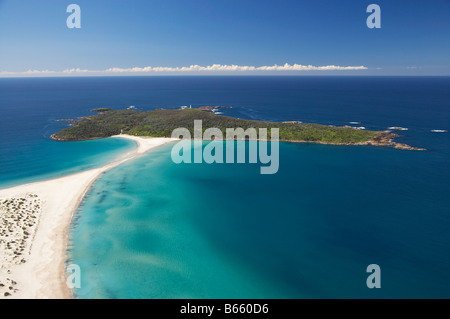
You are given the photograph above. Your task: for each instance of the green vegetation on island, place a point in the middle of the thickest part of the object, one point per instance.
(161, 123)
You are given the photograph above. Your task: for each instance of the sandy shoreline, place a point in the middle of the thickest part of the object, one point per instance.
(34, 244)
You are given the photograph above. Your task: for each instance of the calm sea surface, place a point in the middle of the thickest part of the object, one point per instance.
(151, 228)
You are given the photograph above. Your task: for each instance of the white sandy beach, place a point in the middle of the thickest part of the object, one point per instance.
(33, 265)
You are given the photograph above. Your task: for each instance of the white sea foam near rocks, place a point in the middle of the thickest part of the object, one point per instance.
(398, 128)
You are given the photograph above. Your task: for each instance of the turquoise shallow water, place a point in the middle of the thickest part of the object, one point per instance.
(154, 229)
(46, 159)
(151, 228)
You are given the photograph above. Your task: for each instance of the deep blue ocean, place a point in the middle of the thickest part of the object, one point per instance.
(154, 229)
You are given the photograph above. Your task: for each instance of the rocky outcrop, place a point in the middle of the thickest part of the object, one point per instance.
(381, 139)
(386, 139)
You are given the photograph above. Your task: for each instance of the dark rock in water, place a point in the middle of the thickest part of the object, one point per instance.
(211, 108)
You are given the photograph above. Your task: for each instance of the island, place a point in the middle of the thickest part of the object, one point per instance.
(161, 123)
(35, 218)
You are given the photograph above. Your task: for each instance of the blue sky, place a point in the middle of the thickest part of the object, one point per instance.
(414, 38)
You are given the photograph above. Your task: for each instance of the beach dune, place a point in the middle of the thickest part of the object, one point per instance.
(33, 258)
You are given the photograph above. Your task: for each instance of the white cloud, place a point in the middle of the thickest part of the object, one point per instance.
(233, 68)
(37, 72)
(77, 70)
(215, 68)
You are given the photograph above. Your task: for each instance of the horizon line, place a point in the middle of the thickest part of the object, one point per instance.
(220, 75)
(191, 70)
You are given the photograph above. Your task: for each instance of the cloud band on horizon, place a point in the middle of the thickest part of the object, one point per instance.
(192, 68)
